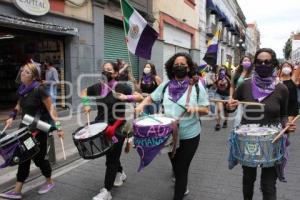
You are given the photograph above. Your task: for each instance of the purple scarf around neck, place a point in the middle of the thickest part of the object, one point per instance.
(178, 88)
(147, 78)
(262, 87)
(106, 87)
(24, 89)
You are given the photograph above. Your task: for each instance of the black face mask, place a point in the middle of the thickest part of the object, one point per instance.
(180, 71)
(107, 75)
(264, 71)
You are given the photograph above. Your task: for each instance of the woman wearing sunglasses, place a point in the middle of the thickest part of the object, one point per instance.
(262, 87)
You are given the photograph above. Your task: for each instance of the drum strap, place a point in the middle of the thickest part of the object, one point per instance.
(175, 124)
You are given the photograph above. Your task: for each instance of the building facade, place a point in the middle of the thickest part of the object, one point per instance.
(76, 35)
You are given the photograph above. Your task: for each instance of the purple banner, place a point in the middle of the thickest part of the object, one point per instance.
(149, 140)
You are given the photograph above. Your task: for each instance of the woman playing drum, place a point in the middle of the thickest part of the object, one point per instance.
(180, 70)
(262, 87)
(33, 100)
(109, 97)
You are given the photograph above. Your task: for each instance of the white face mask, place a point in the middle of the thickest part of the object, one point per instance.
(286, 70)
(147, 70)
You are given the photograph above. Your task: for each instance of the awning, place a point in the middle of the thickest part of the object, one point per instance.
(34, 25)
(221, 16)
(211, 6)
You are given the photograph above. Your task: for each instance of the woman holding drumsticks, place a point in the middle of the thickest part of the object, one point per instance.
(262, 87)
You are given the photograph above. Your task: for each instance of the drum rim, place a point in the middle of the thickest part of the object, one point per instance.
(89, 138)
(13, 139)
(160, 115)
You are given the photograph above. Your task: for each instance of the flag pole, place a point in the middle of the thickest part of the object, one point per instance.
(128, 53)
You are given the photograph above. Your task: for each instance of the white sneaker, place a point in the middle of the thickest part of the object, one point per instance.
(120, 178)
(186, 192)
(103, 195)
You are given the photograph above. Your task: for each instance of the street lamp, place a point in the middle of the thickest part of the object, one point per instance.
(241, 47)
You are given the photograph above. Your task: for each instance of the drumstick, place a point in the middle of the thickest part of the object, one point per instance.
(63, 148)
(283, 130)
(88, 119)
(4, 129)
(241, 102)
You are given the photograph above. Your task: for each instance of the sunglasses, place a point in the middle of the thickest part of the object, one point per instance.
(265, 62)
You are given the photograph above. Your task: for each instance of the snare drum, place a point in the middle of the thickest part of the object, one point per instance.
(252, 145)
(91, 141)
(18, 147)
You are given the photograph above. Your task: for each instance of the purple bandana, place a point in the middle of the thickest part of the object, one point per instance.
(262, 87)
(106, 87)
(178, 88)
(147, 78)
(24, 89)
(149, 140)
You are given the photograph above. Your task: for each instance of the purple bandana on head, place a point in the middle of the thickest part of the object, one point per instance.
(149, 140)
(262, 87)
(147, 78)
(106, 87)
(178, 88)
(24, 89)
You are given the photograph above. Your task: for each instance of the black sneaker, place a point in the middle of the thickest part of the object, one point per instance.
(224, 124)
(217, 127)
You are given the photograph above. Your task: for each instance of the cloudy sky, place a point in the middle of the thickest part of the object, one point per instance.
(276, 19)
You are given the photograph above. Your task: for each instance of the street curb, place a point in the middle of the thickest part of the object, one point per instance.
(35, 173)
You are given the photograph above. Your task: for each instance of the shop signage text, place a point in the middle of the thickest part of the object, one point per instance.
(33, 7)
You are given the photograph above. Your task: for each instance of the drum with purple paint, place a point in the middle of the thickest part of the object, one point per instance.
(18, 147)
(91, 141)
(252, 145)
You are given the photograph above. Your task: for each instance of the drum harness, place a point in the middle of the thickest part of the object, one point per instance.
(175, 124)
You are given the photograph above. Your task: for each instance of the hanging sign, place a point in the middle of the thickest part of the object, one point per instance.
(33, 7)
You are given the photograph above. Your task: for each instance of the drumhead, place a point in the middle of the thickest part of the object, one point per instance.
(90, 131)
(154, 120)
(12, 135)
(256, 130)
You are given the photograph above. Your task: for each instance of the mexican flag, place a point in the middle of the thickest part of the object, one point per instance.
(140, 37)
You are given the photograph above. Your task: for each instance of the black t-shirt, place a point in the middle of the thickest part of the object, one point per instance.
(32, 103)
(109, 108)
(148, 88)
(293, 108)
(273, 112)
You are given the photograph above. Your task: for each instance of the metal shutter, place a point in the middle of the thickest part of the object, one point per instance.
(115, 47)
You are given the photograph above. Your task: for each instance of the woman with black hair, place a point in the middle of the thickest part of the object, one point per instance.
(109, 96)
(222, 93)
(243, 72)
(148, 83)
(289, 80)
(181, 101)
(263, 87)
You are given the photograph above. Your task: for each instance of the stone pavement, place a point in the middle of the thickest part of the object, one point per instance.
(209, 177)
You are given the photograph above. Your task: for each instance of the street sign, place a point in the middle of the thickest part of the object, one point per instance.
(33, 7)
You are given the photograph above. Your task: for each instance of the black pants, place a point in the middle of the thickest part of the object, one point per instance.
(38, 159)
(181, 163)
(267, 182)
(113, 164)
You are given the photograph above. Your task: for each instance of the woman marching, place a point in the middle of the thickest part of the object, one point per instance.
(180, 97)
(148, 83)
(262, 87)
(109, 97)
(33, 100)
(222, 93)
(286, 76)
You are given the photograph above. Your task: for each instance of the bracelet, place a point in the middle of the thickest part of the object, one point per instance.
(13, 114)
(130, 98)
(85, 101)
(58, 125)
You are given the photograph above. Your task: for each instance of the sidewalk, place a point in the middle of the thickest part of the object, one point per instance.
(7, 175)
(209, 177)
